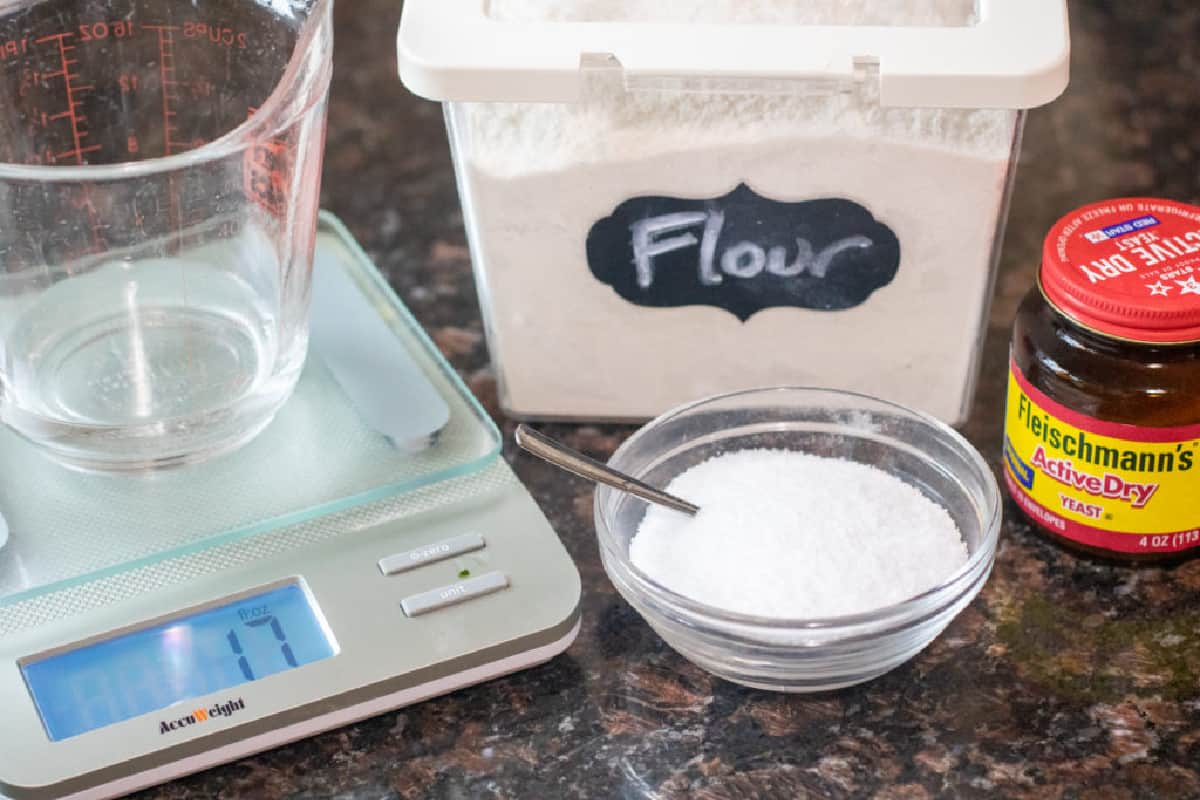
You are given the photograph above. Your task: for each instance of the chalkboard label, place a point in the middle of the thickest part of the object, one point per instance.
(743, 253)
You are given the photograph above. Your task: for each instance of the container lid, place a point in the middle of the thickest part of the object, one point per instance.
(1015, 54)
(1128, 268)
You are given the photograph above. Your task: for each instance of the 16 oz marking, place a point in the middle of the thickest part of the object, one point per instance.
(119, 29)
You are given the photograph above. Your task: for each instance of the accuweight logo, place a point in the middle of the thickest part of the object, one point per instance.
(199, 715)
(743, 252)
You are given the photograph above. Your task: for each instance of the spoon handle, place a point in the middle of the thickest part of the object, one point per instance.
(564, 457)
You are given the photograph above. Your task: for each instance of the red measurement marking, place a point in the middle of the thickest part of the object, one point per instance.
(166, 76)
(78, 152)
(78, 134)
(83, 202)
(268, 167)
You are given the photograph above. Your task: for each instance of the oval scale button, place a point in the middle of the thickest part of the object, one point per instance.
(454, 594)
(431, 553)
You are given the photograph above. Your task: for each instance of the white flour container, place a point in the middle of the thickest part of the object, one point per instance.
(670, 200)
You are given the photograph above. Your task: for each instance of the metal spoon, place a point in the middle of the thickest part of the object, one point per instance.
(564, 457)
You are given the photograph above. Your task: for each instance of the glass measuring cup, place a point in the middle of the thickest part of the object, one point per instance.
(159, 176)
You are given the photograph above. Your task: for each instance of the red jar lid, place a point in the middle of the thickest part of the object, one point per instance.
(1128, 268)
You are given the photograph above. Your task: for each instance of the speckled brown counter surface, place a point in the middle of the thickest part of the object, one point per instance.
(1064, 679)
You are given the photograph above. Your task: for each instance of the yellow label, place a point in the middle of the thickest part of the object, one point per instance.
(1119, 487)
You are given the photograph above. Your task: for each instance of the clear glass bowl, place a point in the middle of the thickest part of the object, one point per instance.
(803, 655)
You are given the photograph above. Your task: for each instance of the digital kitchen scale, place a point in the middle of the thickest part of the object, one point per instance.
(369, 550)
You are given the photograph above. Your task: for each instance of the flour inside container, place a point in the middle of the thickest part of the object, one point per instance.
(538, 178)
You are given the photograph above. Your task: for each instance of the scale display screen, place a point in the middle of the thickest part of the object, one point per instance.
(150, 669)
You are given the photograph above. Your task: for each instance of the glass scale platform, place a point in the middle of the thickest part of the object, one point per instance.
(319, 457)
(375, 510)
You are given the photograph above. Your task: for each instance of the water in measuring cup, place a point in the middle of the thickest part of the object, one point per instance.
(172, 341)
(159, 177)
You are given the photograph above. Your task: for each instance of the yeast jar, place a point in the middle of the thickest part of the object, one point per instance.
(1102, 443)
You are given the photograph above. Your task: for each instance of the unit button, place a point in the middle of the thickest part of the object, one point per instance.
(431, 554)
(453, 594)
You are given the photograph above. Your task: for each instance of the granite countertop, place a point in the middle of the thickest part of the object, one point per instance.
(1063, 679)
